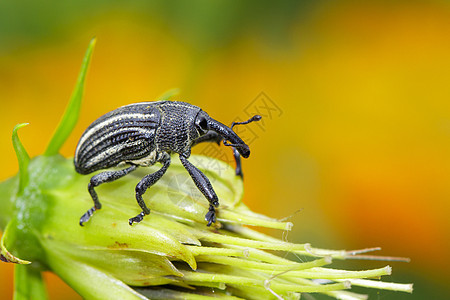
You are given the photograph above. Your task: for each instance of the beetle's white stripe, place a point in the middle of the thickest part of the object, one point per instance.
(119, 131)
(108, 122)
(102, 156)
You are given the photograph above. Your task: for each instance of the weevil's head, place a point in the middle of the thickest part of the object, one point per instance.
(230, 138)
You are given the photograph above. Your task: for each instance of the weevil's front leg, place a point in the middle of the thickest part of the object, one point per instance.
(237, 159)
(204, 185)
(212, 136)
(144, 184)
(98, 179)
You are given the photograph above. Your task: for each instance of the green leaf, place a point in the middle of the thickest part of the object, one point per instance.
(22, 157)
(28, 283)
(169, 94)
(72, 113)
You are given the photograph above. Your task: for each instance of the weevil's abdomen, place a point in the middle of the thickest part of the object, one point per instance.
(124, 134)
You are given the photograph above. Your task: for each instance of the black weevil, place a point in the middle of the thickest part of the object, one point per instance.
(142, 134)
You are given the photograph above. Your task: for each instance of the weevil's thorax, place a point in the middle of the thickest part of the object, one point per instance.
(177, 129)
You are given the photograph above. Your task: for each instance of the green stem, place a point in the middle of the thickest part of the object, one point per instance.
(28, 283)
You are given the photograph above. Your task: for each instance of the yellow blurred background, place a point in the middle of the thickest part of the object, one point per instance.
(355, 100)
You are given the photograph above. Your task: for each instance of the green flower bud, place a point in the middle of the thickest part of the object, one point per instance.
(172, 254)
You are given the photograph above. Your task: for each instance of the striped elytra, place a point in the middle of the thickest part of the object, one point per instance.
(134, 132)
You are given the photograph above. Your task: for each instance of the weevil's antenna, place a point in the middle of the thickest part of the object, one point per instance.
(255, 118)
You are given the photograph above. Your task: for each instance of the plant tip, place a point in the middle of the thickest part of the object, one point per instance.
(289, 226)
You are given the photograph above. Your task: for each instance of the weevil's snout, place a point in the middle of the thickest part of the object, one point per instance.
(244, 151)
(230, 137)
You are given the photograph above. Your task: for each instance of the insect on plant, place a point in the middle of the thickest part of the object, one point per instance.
(142, 134)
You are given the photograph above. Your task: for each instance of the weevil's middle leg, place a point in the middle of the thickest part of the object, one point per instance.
(144, 184)
(98, 179)
(204, 185)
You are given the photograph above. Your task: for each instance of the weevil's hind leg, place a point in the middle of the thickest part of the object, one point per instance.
(144, 184)
(98, 179)
(204, 185)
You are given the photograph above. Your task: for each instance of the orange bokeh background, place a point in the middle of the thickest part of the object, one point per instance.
(361, 146)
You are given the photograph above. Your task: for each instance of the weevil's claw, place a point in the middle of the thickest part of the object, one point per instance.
(211, 214)
(136, 219)
(87, 215)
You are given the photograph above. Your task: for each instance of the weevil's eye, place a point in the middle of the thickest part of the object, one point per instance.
(201, 124)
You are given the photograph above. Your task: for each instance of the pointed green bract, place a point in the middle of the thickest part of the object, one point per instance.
(5, 254)
(22, 157)
(72, 112)
(169, 94)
